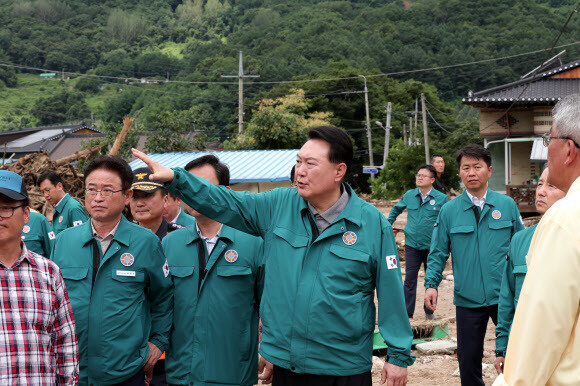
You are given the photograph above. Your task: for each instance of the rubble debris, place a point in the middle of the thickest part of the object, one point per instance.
(31, 166)
(378, 364)
(441, 346)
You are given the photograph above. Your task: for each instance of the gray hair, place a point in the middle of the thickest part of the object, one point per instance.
(566, 117)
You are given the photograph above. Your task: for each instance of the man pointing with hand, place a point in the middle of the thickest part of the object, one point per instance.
(326, 250)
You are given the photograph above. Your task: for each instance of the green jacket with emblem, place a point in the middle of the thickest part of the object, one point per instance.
(67, 214)
(38, 235)
(511, 285)
(317, 310)
(130, 304)
(478, 249)
(214, 339)
(421, 216)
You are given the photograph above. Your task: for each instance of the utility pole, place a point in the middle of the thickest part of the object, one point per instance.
(387, 134)
(416, 113)
(410, 132)
(240, 77)
(425, 132)
(366, 91)
(405, 134)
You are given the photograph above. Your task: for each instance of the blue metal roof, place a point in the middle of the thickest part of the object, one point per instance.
(245, 165)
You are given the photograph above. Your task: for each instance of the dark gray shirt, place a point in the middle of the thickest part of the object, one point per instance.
(323, 220)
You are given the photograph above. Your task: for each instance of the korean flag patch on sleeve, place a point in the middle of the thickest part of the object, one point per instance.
(391, 262)
(166, 269)
(51, 235)
(76, 223)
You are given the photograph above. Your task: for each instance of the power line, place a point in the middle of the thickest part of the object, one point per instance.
(441, 127)
(419, 70)
(14, 65)
(533, 76)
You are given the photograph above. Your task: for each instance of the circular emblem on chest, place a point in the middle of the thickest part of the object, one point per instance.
(231, 256)
(349, 238)
(432, 202)
(496, 214)
(26, 229)
(60, 219)
(127, 259)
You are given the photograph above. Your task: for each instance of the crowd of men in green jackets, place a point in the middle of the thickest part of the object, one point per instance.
(189, 299)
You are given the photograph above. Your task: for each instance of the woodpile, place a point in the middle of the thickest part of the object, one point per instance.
(33, 165)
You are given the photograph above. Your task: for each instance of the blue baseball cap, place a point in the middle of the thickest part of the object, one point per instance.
(12, 185)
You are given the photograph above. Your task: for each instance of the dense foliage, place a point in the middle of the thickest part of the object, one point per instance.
(136, 46)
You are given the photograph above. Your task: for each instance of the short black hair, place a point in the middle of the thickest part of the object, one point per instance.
(340, 144)
(292, 173)
(474, 151)
(114, 164)
(50, 175)
(221, 170)
(436, 155)
(430, 168)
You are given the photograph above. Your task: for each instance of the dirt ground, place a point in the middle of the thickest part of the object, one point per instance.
(434, 370)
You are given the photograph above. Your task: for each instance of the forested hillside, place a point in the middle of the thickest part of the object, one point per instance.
(199, 40)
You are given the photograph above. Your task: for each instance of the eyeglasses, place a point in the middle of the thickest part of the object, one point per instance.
(547, 138)
(423, 176)
(8, 211)
(92, 192)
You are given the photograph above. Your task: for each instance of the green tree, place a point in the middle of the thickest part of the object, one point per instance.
(280, 123)
(174, 131)
(125, 27)
(116, 108)
(88, 84)
(61, 107)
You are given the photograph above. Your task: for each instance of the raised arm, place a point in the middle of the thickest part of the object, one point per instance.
(249, 212)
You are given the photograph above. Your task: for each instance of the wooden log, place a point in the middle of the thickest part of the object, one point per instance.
(127, 122)
(78, 155)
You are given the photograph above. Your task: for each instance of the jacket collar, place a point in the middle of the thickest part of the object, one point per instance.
(122, 235)
(62, 203)
(192, 235)
(490, 199)
(351, 213)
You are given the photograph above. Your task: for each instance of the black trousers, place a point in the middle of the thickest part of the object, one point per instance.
(285, 377)
(136, 380)
(413, 260)
(159, 374)
(471, 327)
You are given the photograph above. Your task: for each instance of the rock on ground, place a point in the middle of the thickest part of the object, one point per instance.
(442, 346)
